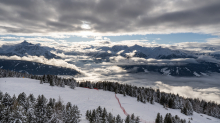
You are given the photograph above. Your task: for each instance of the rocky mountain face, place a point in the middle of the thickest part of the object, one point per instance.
(24, 49)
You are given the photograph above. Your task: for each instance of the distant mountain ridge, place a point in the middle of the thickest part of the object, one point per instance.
(24, 49)
(145, 52)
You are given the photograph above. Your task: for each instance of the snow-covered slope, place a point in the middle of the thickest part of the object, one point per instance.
(24, 49)
(91, 99)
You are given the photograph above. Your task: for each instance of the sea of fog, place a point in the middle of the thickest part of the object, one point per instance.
(205, 87)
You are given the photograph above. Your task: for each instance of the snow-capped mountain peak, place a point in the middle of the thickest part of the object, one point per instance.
(25, 48)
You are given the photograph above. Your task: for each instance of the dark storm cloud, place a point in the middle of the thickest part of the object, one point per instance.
(207, 15)
(114, 16)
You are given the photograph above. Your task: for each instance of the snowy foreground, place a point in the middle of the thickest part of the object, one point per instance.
(90, 99)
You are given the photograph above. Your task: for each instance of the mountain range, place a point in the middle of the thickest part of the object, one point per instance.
(25, 49)
(104, 54)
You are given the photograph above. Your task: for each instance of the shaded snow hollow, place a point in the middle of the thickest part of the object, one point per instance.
(90, 99)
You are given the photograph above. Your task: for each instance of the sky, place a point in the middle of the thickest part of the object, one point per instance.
(81, 25)
(152, 21)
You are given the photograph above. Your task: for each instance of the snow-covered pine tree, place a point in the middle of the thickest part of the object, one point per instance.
(31, 98)
(2, 107)
(6, 100)
(152, 99)
(132, 118)
(91, 85)
(118, 119)
(75, 114)
(168, 118)
(187, 109)
(99, 109)
(50, 113)
(137, 120)
(88, 115)
(30, 116)
(58, 111)
(41, 109)
(95, 117)
(110, 117)
(22, 98)
(128, 119)
(18, 114)
(72, 85)
(104, 116)
(61, 83)
(5, 114)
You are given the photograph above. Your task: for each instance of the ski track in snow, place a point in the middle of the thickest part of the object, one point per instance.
(88, 99)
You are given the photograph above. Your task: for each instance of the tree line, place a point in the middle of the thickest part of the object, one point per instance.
(143, 95)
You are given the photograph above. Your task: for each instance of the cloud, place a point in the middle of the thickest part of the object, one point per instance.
(119, 60)
(208, 59)
(41, 59)
(207, 94)
(104, 17)
(9, 37)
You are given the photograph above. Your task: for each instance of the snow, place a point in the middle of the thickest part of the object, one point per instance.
(204, 74)
(150, 52)
(196, 74)
(25, 49)
(146, 71)
(177, 70)
(165, 71)
(187, 69)
(91, 99)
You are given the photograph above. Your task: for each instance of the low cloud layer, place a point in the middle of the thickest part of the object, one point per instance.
(108, 17)
(119, 60)
(54, 62)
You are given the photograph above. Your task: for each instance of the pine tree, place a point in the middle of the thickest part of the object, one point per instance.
(118, 119)
(110, 117)
(52, 83)
(2, 107)
(168, 118)
(40, 109)
(170, 103)
(72, 85)
(132, 118)
(49, 112)
(99, 109)
(138, 98)
(32, 98)
(104, 116)
(152, 100)
(187, 109)
(128, 119)
(137, 120)
(22, 100)
(58, 111)
(124, 93)
(31, 117)
(158, 118)
(18, 114)
(6, 114)
(1, 95)
(7, 100)
(87, 115)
